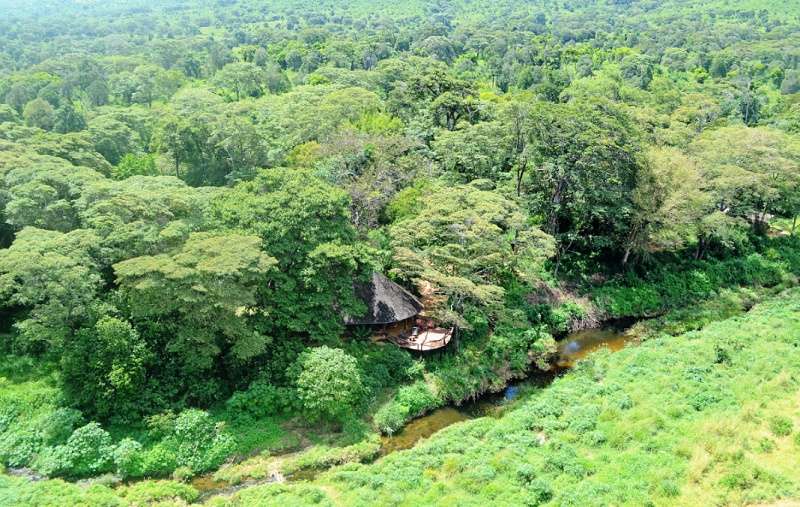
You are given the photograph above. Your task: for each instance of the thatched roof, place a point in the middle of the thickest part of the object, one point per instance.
(386, 302)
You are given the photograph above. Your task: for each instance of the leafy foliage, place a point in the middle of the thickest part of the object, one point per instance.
(329, 383)
(189, 193)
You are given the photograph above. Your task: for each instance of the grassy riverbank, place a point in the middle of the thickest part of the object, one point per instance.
(709, 417)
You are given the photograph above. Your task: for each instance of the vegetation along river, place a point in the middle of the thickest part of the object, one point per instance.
(571, 349)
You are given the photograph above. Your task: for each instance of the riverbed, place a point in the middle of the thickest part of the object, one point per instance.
(571, 349)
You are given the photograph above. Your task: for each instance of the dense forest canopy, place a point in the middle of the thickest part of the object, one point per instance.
(191, 190)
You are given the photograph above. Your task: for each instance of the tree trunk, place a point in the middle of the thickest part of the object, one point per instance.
(698, 254)
(794, 225)
(629, 245)
(552, 222)
(520, 174)
(626, 256)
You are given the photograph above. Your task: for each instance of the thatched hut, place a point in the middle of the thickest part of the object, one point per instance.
(396, 315)
(387, 303)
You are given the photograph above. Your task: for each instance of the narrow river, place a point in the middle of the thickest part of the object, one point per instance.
(571, 349)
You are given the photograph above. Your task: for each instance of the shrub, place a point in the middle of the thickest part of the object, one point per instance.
(739, 479)
(160, 425)
(104, 369)
(88, 451)
(565, 459)
(325, 457)
(418, 398)
(670, 488)
(262, 400)
(538, 492)
(583, 419)
(58, 425)
(128, 458)
(766, 445)
(381, 366)
(675, 286)
(526, 473)
(155, 492)
(329, 383)
(199, 443)
(780, 426)
(18, 448)
(390, 417)
(159, 460)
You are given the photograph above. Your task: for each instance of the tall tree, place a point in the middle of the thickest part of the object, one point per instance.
(462, 243)
(203, 295)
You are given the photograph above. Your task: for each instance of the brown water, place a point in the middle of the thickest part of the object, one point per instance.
(420, 428)
(577, 346)
(571, 349)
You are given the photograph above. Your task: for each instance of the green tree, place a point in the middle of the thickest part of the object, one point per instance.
(98, 92)
(463, 243)
(136, 165)
(175, 137)
(104, 369)
(142, 215)
(304, 223)
(42, 192)
(113, 139)
(203, 294)
(55, 278)
(243, 79)
(329, 383)
(671, 205)
(8, 114)
(588, 161)
(68, 119)
(477, 151)
(39, 113)
(748, 170)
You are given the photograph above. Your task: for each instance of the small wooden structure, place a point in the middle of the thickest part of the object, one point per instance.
(424, 336)
(397, 315)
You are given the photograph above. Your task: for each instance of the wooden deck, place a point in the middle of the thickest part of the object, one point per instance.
(430, 339)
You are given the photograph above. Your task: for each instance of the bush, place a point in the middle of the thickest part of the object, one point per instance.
(128, 458)
(88, 451)
(18, 448)
(325, 457)
(418, 398)
(158, 461)
(390, 417)
(199, 443)
(152, 492)
(160, 425)
(539, 492)
(766, 445)
(675, 286)
(262, 400)
(329, 383)
(780, 426)
(382, 366)
(57, 426)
